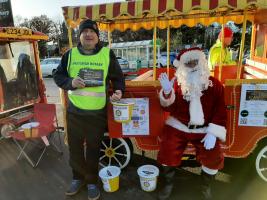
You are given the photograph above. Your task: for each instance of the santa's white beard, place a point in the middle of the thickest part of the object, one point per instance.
(193, 82)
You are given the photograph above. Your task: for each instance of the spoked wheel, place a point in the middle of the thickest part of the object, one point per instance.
(261, 163)
(115, 151)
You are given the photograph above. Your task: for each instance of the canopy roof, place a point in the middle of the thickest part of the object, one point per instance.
(145, 13)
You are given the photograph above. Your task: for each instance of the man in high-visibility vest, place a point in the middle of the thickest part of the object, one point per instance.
(215, 55)
(85, 72)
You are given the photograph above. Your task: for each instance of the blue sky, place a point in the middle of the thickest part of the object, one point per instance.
(51, 8)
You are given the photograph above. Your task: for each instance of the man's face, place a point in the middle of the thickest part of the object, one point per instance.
(191, 64)
(88, 39)
(228, 41)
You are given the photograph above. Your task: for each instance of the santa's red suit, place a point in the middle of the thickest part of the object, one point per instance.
(177, 131)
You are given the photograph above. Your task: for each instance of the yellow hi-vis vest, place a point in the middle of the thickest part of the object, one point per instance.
(88, 98)
(215, 53)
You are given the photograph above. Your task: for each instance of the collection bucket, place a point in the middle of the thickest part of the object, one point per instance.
(122, 111)
(110, 178)
(30, 129)
(148, 175)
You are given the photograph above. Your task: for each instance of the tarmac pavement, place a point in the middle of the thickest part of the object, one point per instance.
(243, 184)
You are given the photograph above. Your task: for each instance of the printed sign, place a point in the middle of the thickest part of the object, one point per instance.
(6, 16)
(253, 105)
(139, 124)
(92, 77)
(17, 31)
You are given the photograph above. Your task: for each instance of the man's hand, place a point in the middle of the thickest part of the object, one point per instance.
(165, 83)
(209, 141)
(116, 96)
(78, 83)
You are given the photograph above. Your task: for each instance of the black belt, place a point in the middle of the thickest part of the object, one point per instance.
(191, 126)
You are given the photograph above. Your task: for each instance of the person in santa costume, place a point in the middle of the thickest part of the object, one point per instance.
(197, 109)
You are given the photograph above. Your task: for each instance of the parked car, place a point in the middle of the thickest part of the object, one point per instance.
(49, 65)
(124, 64)
(162, 60)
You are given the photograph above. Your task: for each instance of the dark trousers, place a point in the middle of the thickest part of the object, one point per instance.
(85, 131)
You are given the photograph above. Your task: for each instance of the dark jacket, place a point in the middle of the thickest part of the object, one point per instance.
(114, 75)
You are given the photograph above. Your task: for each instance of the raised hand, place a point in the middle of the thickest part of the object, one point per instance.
(165, 83)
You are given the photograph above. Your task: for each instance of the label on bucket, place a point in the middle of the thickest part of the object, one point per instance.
(106, 185)
(121, 113)
(148, 184)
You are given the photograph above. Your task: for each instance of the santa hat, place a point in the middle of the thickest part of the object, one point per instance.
(186, 55)
(227, 33)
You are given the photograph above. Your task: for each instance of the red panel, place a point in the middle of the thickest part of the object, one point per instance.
(179, 5)
(228, 72)
(232, 3)
(213, 4)
(162, 6)
(76, 12)
(89, 12)
(131, 8)
(102, 9)
(195, 3)
(146, 5)
(116, 9)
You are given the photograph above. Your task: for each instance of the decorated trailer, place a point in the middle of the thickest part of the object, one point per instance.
(245, 85)
(21, 83)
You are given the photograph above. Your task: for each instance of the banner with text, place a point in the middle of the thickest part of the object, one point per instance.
(6, 16)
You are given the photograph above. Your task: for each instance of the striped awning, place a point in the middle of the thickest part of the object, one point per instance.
(145, 13)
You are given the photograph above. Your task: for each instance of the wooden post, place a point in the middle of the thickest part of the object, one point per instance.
(168, 50)
(242, 45)
(222, 50)
(154, 49)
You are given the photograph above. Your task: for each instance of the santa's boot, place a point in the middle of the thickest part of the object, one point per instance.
(206, 186)
(166, 181)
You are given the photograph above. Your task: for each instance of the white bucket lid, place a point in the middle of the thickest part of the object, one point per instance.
(148, 171)
(30, 125)
(109, 172)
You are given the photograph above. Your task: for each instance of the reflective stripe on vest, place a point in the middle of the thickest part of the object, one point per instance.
(88, 98)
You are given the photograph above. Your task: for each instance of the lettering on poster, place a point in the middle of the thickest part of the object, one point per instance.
(253, 105)
(139, 124)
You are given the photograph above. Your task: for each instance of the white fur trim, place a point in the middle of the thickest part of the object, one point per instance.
(217, 130)
(209, 171)
(192, 55)
(175, 123)
(166, 102)
(196, 112)
(176, 63)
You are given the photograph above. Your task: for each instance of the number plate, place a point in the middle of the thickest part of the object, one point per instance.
(17, 31)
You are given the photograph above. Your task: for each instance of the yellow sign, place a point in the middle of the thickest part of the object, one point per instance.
(17, 31)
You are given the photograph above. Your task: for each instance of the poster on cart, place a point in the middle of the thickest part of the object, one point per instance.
(253, 105)
(139, 125)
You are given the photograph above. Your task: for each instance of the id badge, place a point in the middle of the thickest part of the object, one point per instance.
(92, 77)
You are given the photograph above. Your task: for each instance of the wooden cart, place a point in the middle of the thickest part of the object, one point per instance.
(242, 140)
(21, 83)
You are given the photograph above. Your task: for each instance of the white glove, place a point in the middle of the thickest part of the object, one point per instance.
(165, 83)
(209, 141)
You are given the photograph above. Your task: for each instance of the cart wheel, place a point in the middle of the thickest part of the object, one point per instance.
(261, 163)
(115, 151)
